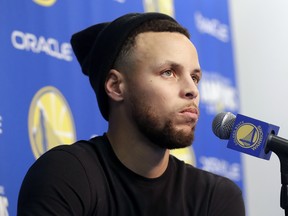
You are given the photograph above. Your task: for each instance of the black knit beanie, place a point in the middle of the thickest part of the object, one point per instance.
(97, 47)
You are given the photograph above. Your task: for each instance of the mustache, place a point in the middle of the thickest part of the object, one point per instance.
(192, 107)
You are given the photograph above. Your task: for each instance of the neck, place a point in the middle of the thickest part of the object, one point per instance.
(137, 153)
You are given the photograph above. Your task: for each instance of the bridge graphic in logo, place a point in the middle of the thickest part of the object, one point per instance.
(44, 134)
(249, 139)
(247, 135)
(50, 121)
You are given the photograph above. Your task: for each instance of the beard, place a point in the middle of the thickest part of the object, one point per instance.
(162, 134)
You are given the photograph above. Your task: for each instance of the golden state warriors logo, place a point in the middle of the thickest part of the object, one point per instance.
(50, 121)
(45, 3)
(185, 154)
(248, 135)
(163, 6)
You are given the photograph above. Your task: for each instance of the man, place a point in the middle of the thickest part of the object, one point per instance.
(145, 73)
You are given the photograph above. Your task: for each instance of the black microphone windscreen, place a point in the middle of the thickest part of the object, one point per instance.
(222, 124)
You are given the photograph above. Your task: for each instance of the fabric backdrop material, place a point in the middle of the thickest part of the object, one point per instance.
(45, 100)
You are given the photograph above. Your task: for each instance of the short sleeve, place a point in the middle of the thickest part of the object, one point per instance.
(227, 199)
(56, 184)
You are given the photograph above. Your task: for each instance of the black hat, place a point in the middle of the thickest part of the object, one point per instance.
(98, 46)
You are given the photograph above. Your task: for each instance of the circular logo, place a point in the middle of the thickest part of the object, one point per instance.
(248, 135)
(46, 3)
(185, 154)
(50, 121)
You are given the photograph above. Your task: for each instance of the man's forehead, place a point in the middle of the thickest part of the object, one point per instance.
(162, 40)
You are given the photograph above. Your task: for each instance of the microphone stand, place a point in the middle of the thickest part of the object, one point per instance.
(279, 146)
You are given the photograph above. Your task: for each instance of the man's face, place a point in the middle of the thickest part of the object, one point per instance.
(162, 96)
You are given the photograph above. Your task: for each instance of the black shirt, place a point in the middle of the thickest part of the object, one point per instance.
(87, 178)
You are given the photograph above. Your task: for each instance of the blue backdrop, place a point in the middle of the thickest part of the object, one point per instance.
(45, 99)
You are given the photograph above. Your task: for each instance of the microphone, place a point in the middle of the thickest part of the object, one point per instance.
(249, 135)
(256, 138)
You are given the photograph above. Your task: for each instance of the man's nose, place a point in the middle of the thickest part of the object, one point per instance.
(189, 88)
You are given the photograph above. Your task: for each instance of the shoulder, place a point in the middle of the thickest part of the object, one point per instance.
(80, 157)
(83, 152)
(64, 176)
(67, 160)
(224, 196)
(202, 177)
(74, 155)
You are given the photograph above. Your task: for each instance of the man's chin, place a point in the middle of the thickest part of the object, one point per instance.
(173, 147)
(185, 128)
(179, 140)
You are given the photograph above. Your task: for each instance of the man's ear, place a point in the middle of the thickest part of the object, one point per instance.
(114, 85)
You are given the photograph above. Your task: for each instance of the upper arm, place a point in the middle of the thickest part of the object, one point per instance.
(227, 199)
(56, 184)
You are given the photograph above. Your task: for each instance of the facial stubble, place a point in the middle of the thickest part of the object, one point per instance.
(163, 134)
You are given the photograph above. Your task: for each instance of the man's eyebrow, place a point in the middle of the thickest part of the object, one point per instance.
(197, 70)
(176, 65)
(171, 64)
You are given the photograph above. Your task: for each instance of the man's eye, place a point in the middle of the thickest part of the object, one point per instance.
(196, 79)
(168, 73)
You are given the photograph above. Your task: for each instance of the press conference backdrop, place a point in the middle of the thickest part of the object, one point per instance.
(47, 101)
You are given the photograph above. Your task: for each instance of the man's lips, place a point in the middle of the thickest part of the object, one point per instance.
(191, 113)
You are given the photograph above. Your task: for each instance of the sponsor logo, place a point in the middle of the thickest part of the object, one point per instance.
(3, 202)
(247, 135)
(45, 3)
(185, 154)
(39, 44)
(1, 125)
(221, 167)
(218, 93)
(50, 121)
(163, 6)
(120, 1)
(212, 27)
